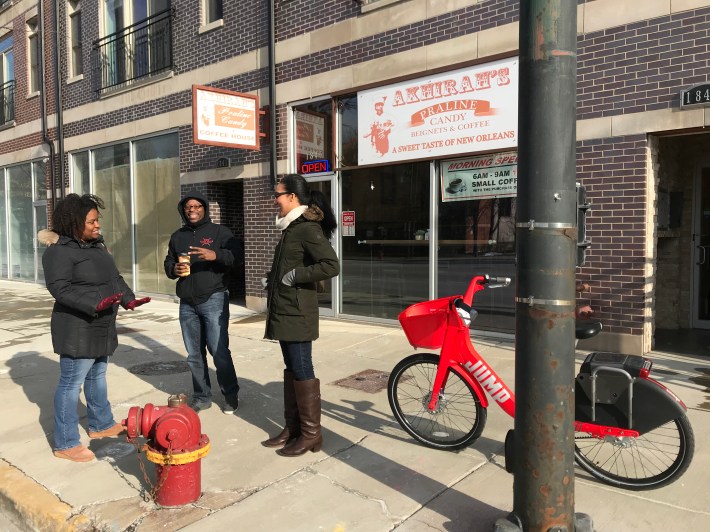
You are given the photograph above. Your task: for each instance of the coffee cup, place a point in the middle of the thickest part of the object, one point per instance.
(184, 258)
(456, 184)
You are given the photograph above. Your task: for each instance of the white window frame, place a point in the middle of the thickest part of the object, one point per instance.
(209, 23)
(32, 27)
(74, 11)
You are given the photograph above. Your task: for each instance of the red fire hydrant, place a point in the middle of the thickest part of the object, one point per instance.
(175, 445)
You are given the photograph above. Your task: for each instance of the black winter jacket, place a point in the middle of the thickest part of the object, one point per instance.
(292, 313)
(206, 277)
(79, 275)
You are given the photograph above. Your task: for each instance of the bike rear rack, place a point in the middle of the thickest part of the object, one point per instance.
(630, 380)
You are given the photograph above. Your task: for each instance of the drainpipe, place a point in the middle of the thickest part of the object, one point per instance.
(272, 94)
(58, 95)
(42, 99)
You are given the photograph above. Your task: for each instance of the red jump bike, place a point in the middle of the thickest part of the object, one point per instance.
(630, 431)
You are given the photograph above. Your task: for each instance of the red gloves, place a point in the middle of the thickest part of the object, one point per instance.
(131, 305)
(109, 302)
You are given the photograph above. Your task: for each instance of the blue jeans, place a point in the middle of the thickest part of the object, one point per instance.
(298, 359)
(204, 328)
(91, 372)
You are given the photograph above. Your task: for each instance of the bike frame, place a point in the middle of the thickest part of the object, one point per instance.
(460, 356)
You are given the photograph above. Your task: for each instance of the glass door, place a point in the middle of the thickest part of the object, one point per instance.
(326, 297)
(700, 294)
(385, 245)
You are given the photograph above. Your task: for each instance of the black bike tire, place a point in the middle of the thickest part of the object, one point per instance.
(392, 394)
(671, 473)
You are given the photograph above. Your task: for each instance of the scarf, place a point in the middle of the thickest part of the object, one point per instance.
(283, 223)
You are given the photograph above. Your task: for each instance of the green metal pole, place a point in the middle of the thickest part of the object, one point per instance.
(546, 238)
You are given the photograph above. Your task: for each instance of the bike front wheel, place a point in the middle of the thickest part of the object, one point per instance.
(650, 461)
(459, 417)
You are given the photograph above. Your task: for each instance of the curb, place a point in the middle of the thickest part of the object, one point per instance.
(31, 506)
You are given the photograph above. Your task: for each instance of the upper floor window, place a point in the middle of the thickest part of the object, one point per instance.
(136, 42)
(213, 10)
(7, 81)
(76, 62)
(33, 53)
(7, 61)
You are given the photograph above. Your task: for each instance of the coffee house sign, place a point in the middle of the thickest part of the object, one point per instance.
(484, 177)
(473, 109)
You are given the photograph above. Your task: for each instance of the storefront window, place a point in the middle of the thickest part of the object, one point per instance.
(80, 172)
(313, 138)
(478, 237)
(4, 264)
(22, 262)
(140, 186)
(385, 252)
(39, 170)
(348, 138)
(112, 183)
(156, 195)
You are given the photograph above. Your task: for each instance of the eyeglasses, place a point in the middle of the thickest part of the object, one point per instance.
(193, 207)
(278, 194)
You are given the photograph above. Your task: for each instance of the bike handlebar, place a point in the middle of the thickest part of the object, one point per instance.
(479, 282)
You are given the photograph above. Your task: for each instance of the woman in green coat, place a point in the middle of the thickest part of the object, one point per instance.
(302, 259)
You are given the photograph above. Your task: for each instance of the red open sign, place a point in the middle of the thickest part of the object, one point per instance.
(315, 167)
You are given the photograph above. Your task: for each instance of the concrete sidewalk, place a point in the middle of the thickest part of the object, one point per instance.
(370, 476)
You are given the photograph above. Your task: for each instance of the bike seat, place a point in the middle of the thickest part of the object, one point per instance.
(584, 329)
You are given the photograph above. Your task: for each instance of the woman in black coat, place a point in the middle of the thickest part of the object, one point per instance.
(82, 277)
(302, 259)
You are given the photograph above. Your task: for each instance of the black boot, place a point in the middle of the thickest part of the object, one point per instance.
(293, 426)
(308, 399)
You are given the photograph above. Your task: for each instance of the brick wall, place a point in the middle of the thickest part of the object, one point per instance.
(642, 66)
(260, 235)
(614, 172)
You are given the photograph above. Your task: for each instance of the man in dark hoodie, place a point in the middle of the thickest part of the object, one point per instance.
(204, 300)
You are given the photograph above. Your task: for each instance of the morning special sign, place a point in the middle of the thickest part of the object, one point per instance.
(225, 118)
(484, 177)
(469, 110)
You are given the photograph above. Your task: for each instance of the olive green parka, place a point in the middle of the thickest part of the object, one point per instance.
(292, 311)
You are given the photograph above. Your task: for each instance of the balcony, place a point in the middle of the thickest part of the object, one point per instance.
(7, 102)
(139, 51)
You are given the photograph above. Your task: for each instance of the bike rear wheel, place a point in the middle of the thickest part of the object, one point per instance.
(459, 418)
(650, 461)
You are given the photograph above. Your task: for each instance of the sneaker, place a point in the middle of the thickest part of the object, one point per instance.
(198, 406)
(109, 432)
(231, 404)
(76, 454)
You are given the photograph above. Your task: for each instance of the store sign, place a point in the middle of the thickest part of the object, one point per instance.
(484, 177)
(347, 225)
(315, 167)
(698, 95)
(225, 118)
(469, 110)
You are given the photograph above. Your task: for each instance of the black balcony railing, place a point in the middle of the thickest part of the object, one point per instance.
(7, 102)
(140, 50)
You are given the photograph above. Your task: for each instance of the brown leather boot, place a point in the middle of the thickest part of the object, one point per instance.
(309, 409)
(293, 426)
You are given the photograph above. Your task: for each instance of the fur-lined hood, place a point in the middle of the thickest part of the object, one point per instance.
(47, 237)
(313, 214)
